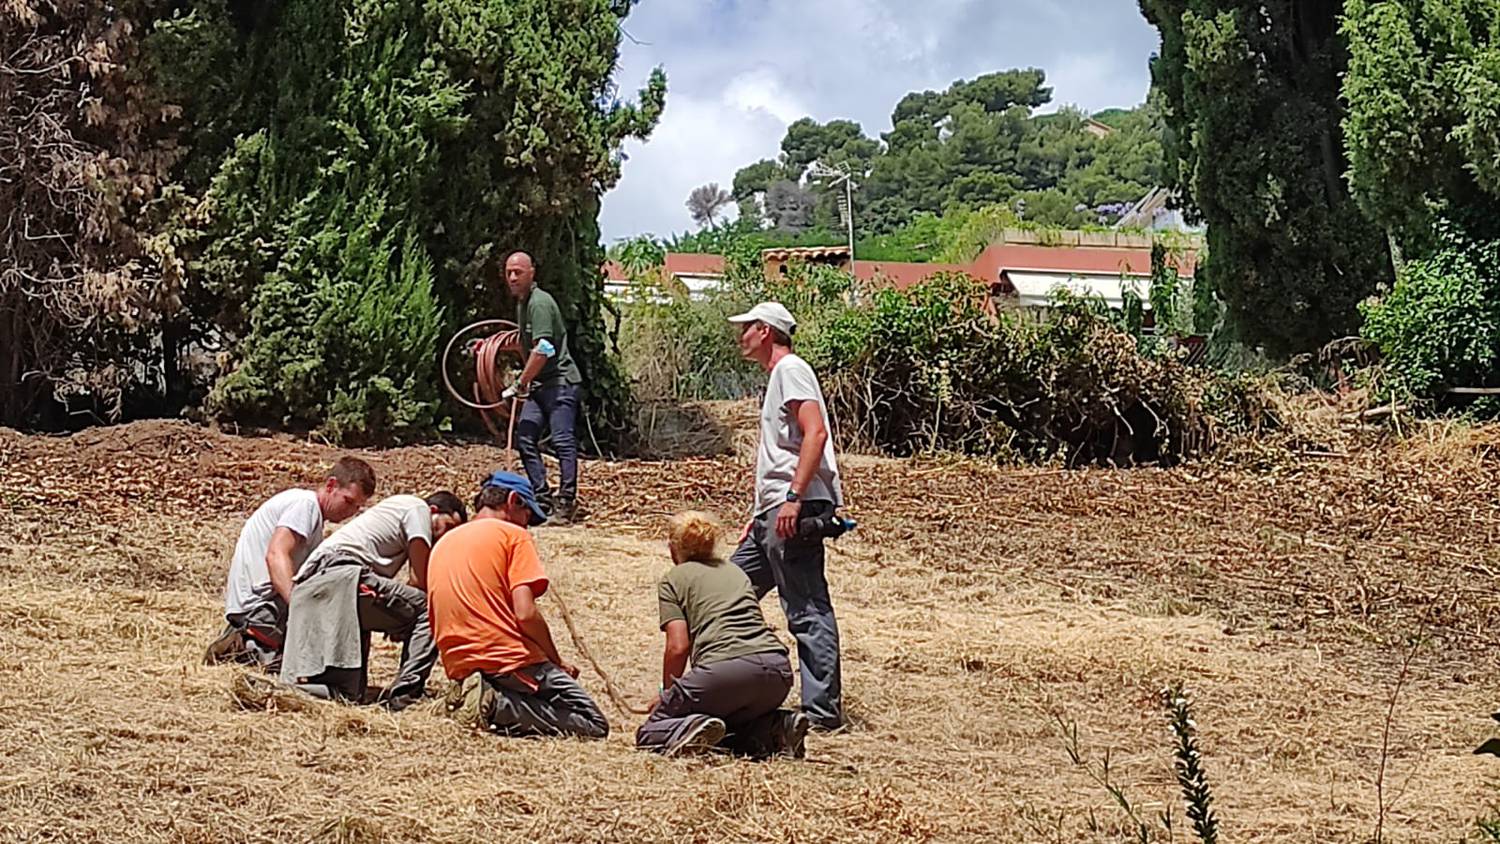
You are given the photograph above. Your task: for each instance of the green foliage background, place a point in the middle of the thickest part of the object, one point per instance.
(931, 369)
(1250, 92)
(1423, 129)
(973, 145)
(364, 165)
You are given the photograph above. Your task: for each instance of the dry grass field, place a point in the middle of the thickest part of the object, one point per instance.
(981, 608)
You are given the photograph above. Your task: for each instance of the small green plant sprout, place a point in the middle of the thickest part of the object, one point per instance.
(1188, 762)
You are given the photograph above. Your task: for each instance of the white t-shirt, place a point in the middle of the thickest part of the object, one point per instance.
(249, 579)
(781, 439)
(377, 537)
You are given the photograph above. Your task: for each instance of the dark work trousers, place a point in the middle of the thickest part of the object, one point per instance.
(400, 611)
(544, 702)
(794, 568)
(263, 627)
(555, 407)
(745, 692)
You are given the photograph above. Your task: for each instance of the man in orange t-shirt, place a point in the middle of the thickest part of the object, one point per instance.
(483, 580)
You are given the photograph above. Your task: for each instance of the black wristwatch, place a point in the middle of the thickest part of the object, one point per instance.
(792, 497)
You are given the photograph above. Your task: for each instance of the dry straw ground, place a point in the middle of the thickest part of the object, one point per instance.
(977, 604)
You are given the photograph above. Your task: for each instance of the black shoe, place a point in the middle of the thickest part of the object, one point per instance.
(397, 703)
(789, 734)
(836, 725)
(397, 699)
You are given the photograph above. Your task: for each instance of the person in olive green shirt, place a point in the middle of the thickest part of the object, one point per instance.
(740, 673)
(549, 383)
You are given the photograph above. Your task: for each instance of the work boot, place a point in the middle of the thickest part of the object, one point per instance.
(472, 701)
(836, 724)
(789, 734)
(396, 703)
(563, 513)
(699, 738)
(228, 647)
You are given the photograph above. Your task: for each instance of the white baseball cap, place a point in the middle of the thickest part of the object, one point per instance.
(773, 314)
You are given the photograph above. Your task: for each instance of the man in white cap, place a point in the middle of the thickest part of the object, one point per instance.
(796, 477)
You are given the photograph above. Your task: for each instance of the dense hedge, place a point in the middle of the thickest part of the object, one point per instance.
(318, 190)
(931, 369)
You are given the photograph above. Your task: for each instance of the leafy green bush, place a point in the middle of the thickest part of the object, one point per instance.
(1439, 326)
(677, 347)
(358, 170)
(680, 348)
(930, 369)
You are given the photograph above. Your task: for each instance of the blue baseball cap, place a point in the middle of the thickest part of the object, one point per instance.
(512, 482)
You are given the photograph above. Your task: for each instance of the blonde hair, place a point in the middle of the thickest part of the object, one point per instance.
(694, 535)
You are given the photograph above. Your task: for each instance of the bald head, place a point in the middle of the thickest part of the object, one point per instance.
(520, 274)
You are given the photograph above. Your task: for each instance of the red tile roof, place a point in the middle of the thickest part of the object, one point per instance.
(986, 268)
(903, 275)
(694, 263)
(678, 263)
(1069, 259)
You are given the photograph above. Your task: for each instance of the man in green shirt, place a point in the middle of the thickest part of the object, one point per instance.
(549, 383)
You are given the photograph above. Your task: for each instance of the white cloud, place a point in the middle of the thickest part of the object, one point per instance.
(698, 141)
(760, 90)
(740, 71)
(1094, 79)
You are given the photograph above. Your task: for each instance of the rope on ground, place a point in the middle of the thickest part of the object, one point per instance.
(562, 605)
(609, 685)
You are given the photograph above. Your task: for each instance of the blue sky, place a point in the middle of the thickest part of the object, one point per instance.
(738, 71)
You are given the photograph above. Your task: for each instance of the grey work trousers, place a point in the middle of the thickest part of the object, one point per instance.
(794, 568)
(745, 692)
(550, 704)
(400, 611)
(263, 628)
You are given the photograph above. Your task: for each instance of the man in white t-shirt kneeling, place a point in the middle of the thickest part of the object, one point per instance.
(796, 479)
(327, 641)
(274, 543)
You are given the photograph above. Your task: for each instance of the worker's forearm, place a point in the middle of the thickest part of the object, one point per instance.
(533, 368)
(673, 665)
(536, 630)
(280, 568)
(417, 555)
(808, 460)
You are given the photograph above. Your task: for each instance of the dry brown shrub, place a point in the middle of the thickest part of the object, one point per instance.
(86, 149)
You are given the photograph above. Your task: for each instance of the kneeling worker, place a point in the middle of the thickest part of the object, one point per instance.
(327, 641)
(483, 580)
(273, 544)
(740, 676)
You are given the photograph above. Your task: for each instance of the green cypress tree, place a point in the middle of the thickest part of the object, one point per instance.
(1250, 90)
(387, 154)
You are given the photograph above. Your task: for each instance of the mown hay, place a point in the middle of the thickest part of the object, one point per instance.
(976, 603)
